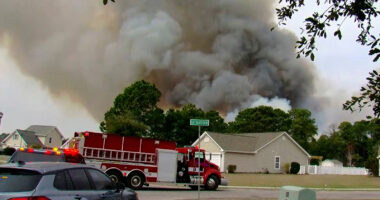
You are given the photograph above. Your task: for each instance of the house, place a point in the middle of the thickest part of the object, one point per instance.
(253, 152)
(21, 138)
(332, 163)
(2, 137)
(50, 136)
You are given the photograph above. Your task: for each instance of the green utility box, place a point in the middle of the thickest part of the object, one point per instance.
(296, 193)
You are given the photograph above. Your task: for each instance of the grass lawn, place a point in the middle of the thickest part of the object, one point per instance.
(310, 181)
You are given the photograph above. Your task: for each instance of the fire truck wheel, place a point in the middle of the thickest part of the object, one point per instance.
(115, 176)
(212, 183)
(135, 180)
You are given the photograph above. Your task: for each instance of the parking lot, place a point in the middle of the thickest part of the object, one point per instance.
(229, 193)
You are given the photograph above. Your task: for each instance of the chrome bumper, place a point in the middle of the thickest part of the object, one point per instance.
(223, 181)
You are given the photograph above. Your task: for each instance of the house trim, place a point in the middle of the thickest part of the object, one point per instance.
(202, 136)
(291, 139)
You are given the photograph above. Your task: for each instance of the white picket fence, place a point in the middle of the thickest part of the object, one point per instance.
(314, 169)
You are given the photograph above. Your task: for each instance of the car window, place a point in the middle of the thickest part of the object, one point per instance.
(60, 181)
(79, 179)
(101, 181)
(34, 157)
(18, 180)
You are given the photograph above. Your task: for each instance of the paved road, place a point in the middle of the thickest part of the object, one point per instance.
(182, 193)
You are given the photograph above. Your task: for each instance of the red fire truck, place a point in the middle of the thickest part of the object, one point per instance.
(137, 161)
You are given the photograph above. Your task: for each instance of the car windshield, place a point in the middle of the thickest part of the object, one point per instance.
(34, 157)
(18, 180)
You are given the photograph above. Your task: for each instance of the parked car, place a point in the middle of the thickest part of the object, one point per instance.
(58, 181)
(46, 155)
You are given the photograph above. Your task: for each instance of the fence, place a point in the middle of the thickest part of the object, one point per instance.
(314, 169)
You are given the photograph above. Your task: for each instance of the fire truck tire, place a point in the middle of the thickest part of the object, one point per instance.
(115, 176)
(135, 180)
(212, 183)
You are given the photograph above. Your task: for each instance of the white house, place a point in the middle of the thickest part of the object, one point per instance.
(253, 152)
(21, 138)
(50, 136)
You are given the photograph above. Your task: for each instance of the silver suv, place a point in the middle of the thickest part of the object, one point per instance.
(60, 181)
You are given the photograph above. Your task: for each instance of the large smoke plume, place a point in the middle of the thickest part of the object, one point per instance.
(217, 54)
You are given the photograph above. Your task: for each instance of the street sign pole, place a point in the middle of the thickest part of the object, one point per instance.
(199, 123)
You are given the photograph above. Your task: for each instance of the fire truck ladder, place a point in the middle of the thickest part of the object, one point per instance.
(118, 155)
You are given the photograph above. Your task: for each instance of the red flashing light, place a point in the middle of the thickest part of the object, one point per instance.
(86, 134)
(47, 152)
(71, 151)
(29, 198)
(30, 150)
(197, 147)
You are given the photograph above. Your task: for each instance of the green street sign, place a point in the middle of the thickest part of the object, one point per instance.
(199, 122)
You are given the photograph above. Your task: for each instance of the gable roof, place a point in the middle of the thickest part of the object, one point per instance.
(3, 136)
(29, 137)
(247, 142)
(41, 130)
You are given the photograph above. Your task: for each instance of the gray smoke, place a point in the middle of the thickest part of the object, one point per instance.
(217, 54)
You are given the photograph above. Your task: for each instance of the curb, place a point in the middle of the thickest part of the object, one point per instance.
(318, 189)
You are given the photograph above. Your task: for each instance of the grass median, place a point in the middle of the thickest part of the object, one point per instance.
(309, 181)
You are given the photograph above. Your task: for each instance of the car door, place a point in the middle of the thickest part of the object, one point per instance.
(104, 186)
(81, 185)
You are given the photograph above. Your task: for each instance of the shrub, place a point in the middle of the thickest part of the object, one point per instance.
(294, 167)
(8, 151)
(314, 161)
(231, 168)
(286, 168)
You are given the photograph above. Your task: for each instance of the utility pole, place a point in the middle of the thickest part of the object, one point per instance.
(1, 116)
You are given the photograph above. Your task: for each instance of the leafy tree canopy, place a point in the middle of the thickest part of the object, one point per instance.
(135, 111)
(260, 119)
(303, 127)
(363, 13)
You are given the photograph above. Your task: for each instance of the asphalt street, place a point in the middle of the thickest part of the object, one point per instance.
(183, 193)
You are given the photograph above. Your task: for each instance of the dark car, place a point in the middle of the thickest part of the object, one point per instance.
(46, 155)
(58, 180)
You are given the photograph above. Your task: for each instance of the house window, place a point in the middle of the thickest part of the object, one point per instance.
(277, 162)
(49, 140)
(15, 136)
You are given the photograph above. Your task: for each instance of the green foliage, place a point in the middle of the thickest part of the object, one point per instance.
(294, 167)
(303, 128)
(314, 162)
(369, 96)
(231, 168)
(36, 146)
(8, 151)
(106, 1)
(177, 124)
(135, 111)
(260, 119)
(318, 23)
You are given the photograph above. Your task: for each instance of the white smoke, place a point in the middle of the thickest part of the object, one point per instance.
(217, 54)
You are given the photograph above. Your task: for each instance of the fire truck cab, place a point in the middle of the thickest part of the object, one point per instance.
(137, 161)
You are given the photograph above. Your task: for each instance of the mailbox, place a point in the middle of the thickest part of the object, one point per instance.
(296, 193)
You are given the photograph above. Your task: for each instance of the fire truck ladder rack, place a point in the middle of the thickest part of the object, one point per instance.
(117, 155)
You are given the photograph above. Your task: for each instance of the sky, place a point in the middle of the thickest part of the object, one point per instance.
(341, 66)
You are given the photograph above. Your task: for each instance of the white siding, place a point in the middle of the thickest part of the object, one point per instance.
(14, 142)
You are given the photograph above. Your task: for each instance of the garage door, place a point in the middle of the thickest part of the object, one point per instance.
(216, 158)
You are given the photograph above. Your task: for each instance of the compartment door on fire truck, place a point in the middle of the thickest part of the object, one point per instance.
(167, 165)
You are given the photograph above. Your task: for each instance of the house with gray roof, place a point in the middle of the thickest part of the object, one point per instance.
(50, 136)
(253, 152)
(22, 138)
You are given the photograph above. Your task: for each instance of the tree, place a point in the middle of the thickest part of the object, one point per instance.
(336, 13)
(260, 119)
(177, 124)
(135, 111)
(369, 96)
(302, 128)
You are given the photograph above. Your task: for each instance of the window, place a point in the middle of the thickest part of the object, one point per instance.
(60, 181)
(79, 179)
(101, 181)
(49, 140)
(277, 162)
(15, 136)
(18, 180)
